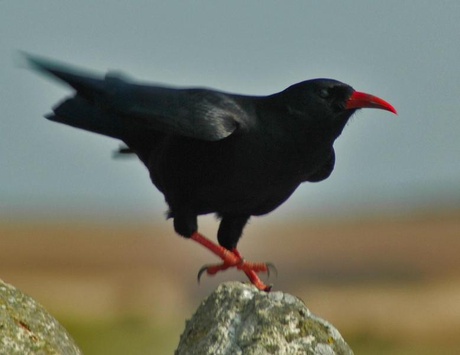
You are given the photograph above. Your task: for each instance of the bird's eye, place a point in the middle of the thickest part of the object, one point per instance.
(324, 93)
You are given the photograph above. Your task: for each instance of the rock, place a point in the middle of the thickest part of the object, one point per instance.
(27, 328)
(239, 319)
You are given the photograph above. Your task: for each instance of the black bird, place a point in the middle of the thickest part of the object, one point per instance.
(209, 151)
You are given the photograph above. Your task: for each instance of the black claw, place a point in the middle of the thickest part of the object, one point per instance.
(201, 271)
(273, 268)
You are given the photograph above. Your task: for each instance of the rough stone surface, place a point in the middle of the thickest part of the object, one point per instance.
(239, 319)
(27, 328)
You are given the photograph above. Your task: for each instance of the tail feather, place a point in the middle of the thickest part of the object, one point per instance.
(87, 85)
(88, 108)
(80, 113)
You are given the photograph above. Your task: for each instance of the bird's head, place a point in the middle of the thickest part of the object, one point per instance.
(329, 103)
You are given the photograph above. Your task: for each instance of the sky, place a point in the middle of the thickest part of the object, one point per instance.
(406, 52)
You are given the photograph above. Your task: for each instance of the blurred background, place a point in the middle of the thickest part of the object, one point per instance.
(374, 249)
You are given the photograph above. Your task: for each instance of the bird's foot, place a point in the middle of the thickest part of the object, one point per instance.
(232, 258)
(250, 269)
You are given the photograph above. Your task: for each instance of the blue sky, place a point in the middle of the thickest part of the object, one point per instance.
(406, 52)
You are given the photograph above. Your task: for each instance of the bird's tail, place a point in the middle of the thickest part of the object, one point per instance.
(86, 85)
(87, 108)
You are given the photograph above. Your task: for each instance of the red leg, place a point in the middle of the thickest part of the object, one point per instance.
(231, 258)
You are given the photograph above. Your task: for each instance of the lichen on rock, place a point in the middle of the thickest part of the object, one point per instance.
(27, 328)
(239, 319)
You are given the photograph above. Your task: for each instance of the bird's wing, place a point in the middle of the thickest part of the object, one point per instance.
(197, 113)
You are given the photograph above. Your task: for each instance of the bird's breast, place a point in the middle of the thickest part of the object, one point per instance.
(252, 176)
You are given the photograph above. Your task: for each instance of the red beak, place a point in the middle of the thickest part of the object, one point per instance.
(363, 100)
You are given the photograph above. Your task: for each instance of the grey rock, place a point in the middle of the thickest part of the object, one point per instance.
(27, 328)
(239, 319)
